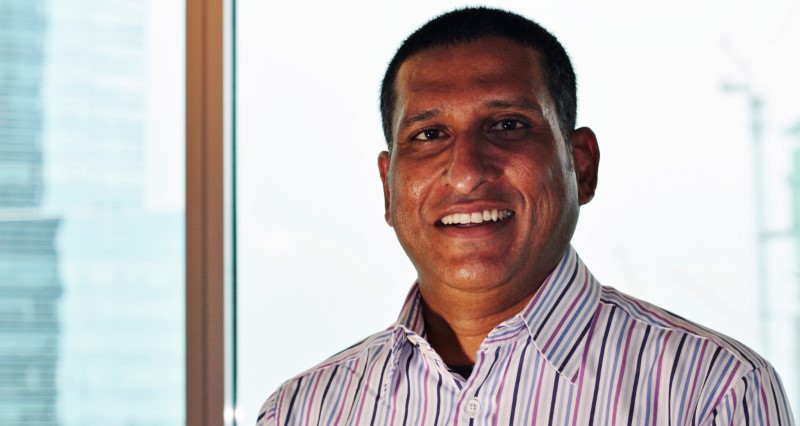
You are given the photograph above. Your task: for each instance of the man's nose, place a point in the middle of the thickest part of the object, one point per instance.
(471, 164)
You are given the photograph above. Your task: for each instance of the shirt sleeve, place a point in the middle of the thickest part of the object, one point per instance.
(757, 398)
(266, 416)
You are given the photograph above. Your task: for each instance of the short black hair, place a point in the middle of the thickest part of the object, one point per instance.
(469, 24)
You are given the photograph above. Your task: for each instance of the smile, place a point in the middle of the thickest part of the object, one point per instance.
(473, 218)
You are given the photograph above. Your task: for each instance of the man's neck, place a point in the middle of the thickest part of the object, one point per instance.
(457, 322)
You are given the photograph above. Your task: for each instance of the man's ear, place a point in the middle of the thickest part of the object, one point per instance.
(586, 159)
(383, 168)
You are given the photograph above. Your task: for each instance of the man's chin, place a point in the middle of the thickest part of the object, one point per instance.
(477, 277)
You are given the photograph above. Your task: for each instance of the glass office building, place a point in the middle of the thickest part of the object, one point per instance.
(91, 238)
(30, 286)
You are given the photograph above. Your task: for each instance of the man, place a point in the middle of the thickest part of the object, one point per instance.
(483, 179)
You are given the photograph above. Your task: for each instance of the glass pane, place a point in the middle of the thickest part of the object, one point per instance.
(91, 212)
(671, 97)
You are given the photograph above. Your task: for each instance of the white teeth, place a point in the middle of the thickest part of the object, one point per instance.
(476, 217)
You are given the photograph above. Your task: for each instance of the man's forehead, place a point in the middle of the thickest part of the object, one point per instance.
(510, 73)
(489, 63)
(507, 49)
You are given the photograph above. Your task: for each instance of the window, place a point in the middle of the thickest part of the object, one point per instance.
(294, 262)
(91, 212)
(673, 220)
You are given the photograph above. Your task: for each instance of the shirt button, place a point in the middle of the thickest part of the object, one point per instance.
(473, 407)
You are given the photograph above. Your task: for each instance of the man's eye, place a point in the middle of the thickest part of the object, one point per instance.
(428, 135)
(508, 125)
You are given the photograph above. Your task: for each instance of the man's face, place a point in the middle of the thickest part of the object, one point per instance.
(480, 186)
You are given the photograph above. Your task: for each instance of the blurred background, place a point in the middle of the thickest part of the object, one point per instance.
(695, 105)
(92, 212)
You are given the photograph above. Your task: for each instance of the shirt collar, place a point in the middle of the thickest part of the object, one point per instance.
(560, 314)
(558, 317)
(410, 324)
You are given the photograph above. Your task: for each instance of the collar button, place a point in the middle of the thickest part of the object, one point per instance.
(473, 408)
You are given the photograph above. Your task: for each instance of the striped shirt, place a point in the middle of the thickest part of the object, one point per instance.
(578, 354)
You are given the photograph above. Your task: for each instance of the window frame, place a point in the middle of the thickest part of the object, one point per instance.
(210, 207)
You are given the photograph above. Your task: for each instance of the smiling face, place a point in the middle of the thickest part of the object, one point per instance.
(480, 186)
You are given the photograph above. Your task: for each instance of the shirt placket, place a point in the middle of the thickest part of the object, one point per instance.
(476, 403)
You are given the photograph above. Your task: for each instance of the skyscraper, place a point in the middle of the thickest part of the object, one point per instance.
(91, 269)
(30, 286)
(120, 254)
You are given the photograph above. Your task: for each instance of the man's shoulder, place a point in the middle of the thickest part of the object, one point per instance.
(724, 374)
(360, 353)
(659, 320)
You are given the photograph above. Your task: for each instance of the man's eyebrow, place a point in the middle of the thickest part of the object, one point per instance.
(524, 103)
(420, 116)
